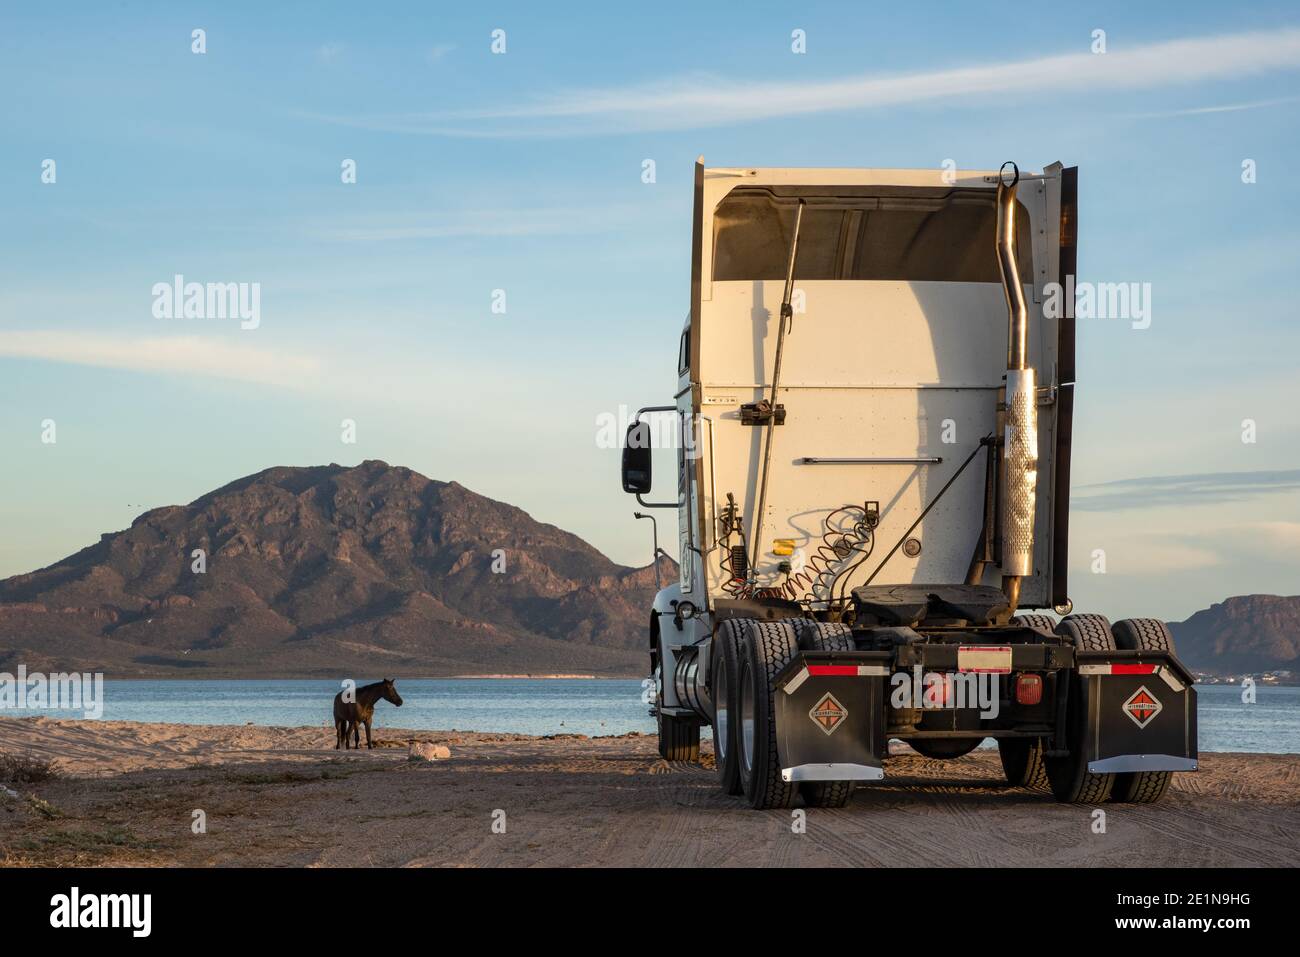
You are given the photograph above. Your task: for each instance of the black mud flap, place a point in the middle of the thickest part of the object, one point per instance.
(1141, 711)
(830, 716)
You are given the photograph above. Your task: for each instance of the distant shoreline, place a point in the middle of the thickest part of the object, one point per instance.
(561, 676)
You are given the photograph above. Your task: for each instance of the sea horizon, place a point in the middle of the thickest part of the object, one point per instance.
(544, 706)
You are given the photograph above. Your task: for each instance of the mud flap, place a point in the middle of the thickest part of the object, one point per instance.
(830, 716)
(1141, 711)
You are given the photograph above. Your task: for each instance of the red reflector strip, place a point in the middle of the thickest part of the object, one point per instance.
(846, 671)
(1115, 669)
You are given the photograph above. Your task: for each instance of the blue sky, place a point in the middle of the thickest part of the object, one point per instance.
(522, 172)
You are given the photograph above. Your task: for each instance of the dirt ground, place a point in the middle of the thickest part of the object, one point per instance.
(126, 794)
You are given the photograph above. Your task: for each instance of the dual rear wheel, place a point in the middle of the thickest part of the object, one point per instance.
(748, 655)
(1068, 776)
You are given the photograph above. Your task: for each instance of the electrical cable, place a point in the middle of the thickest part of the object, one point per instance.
(820, 573)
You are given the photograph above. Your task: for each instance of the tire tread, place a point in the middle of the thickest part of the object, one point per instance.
(771, 646)
(731, 630)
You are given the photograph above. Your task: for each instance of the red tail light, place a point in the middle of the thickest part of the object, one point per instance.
(1029, 689)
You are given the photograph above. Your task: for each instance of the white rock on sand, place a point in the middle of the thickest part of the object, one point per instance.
(423, 751)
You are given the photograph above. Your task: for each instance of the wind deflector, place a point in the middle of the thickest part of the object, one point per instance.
(907, 234)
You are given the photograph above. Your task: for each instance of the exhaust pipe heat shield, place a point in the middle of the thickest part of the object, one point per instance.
(1019, 473)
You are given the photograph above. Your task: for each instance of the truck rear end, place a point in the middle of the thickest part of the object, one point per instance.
(872, 430)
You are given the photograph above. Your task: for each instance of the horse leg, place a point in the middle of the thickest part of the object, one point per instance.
(338, 735)
(356, 735)
(369, 743)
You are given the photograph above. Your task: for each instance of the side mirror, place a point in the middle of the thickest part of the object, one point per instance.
(636, 459)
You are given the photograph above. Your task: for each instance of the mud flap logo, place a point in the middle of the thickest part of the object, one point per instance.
(1142, 706)
(828, 714)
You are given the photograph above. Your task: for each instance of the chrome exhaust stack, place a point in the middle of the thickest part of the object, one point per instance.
(1020, 430)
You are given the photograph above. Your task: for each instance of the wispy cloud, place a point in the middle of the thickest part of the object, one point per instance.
(1211, 488)
(329, 52)
(1151, 556)
(689, 102)
(335, 372)
(186, 355)
(1146, 552)
(439, 51)
(1224, 108)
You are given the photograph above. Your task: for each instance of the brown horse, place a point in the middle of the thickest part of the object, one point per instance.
(350, 715)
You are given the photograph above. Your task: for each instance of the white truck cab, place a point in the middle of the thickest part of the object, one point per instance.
(872, 421)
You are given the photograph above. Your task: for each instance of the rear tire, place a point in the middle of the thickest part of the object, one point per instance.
(1069, 777)
(825, 636)
(1038, 622)
(1146, 634)
(1089, 632)
(768, 647)
(1022, 762)
(726, 702)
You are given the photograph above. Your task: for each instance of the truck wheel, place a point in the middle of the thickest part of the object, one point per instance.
(1038, 622)
(1069, 777)
(825, 636)
(1145, 634)
(726, 702)
(1089, 632)
(768, 647)
(1022, 762)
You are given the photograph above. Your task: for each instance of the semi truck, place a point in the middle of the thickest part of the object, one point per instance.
(872, 434)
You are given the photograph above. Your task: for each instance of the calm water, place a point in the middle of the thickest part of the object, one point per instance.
(573, 706)
(520, 705)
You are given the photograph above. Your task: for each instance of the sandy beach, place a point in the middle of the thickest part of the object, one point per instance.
(126, 794)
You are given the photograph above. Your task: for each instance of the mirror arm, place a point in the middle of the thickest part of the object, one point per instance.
(635, 419)
(652, 408)
(644, 504)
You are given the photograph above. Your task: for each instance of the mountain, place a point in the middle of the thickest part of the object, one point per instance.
(330, 571)
(1249, 633)
(376, 570)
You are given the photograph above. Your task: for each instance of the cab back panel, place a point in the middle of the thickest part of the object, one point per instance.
(871, 368)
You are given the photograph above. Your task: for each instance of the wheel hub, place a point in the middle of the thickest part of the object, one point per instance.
(747, 712)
